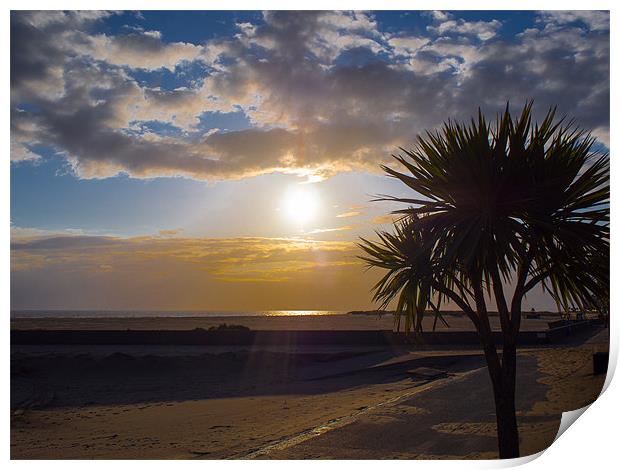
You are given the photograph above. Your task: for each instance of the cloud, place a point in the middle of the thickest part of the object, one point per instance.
(329, 230)
(594, 20)
(407, 45)
(63, 242)
(219, 256)
(349, 214)
(170, 232)
(602, 134)
(62, 19)
(20, 152)
(385, 219)
(324, 92)
(21, 234)
(483, 30)
(141, 49)
(184, 273)
(440, 15)
(175, 273)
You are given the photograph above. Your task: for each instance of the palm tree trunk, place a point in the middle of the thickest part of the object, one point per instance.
(503, 375)
(507, 429)
(505, 410)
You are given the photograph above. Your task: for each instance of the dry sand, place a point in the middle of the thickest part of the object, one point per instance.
(181, 407)
(140, 404)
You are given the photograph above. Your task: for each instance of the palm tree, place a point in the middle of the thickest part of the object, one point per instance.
(409, 276)
(517, 204)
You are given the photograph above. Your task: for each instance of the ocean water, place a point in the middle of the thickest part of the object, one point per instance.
(164, 314)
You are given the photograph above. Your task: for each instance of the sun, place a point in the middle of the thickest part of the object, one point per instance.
(301, 204)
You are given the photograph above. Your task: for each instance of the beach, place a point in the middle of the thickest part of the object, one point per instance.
(330, 322)
(158, 401)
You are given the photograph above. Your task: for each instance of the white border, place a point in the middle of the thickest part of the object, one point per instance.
(589, 444)
(308, 5)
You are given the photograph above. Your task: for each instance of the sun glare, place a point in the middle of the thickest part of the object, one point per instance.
(301, 204)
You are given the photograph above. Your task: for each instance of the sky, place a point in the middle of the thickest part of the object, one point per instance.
(228, 160)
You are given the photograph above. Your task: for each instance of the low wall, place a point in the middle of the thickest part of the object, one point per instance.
(280, 337)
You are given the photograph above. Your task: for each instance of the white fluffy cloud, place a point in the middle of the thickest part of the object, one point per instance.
(594, 20)
(483, 30)
(141, 49)
(324, 92)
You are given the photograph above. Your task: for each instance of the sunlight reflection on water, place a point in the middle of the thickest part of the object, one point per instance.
(296, 313)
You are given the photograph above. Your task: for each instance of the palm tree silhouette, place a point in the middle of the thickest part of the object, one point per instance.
(410, 273)
(517, 204)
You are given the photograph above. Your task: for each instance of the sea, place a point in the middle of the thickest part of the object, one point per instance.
(166, 314)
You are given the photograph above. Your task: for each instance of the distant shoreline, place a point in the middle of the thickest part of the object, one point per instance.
(214, 314)
(443, 312)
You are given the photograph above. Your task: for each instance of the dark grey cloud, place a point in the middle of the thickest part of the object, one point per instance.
(325, 91)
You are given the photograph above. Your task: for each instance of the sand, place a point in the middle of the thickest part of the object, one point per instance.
(229, 406)
(147, 402)
(455, 420)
